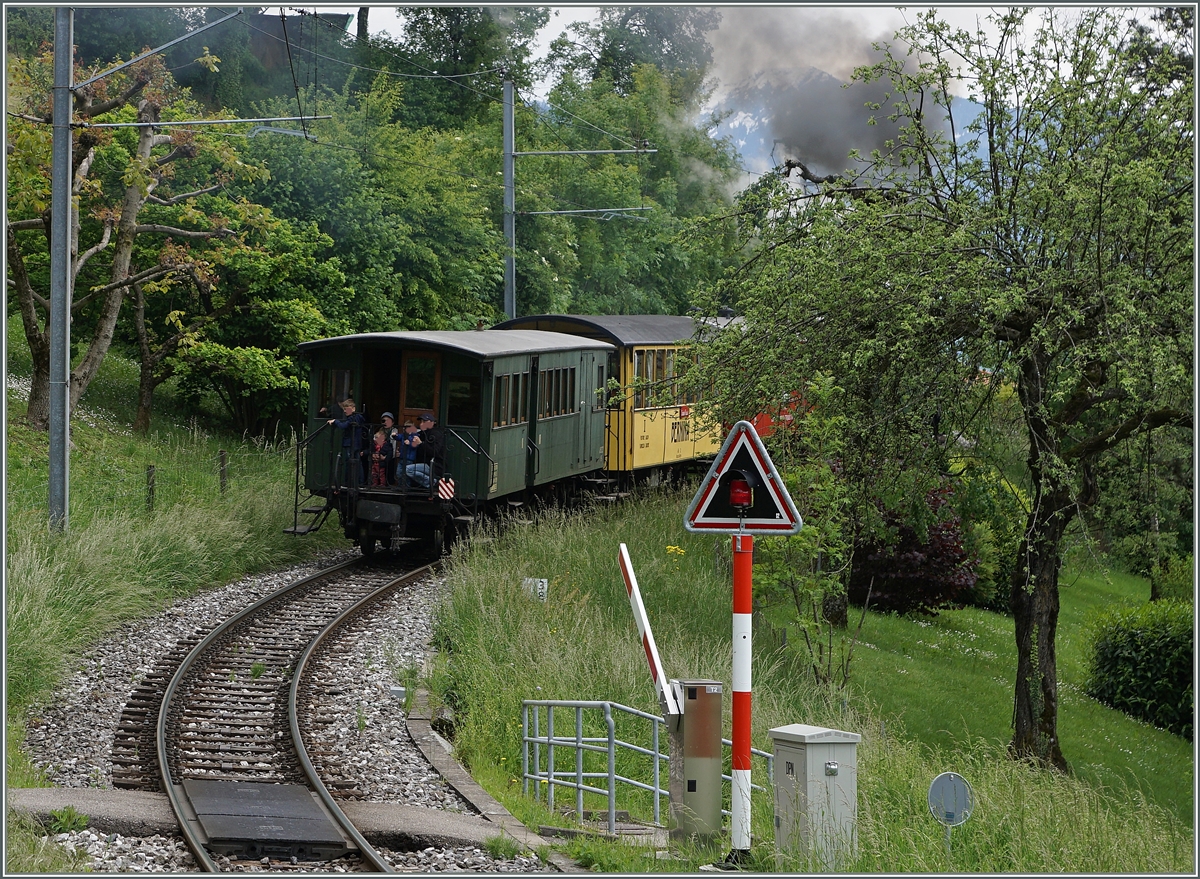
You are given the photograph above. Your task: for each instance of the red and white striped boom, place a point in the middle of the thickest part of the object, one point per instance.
(665, 694)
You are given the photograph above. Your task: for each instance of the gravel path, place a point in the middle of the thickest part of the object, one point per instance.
(71, 737)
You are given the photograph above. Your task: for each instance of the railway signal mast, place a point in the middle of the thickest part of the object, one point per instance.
(742, 495)
(510, 196)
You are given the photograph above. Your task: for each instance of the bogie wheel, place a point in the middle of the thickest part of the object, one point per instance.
(367, 545)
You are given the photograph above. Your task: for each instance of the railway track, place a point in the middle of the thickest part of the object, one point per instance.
(222, 733)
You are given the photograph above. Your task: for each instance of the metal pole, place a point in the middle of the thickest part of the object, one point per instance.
(743, 588)
(612, 769)
(537, 754)
(579, 765)
(550, 757)
(654, 737)
(525, 750)
(60, 271)
(510, 200)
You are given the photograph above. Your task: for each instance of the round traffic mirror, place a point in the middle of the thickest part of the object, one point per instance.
(950, 799)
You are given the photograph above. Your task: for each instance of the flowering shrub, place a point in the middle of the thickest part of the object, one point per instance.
(916, 573)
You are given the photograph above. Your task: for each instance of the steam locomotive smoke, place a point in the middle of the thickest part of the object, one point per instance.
(793, 62)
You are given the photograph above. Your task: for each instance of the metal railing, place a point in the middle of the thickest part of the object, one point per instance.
(576, 778)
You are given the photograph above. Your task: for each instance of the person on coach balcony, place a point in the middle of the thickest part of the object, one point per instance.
(430, 445)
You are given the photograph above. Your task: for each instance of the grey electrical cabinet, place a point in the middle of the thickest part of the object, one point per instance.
(816, 793)
(695, 759)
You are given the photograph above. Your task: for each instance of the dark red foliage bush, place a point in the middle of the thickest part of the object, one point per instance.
(911, 576)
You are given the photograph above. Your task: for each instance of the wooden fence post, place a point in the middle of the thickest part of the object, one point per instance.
(150, 488)
(224, 458)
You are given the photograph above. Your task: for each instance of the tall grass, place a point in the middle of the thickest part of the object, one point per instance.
(118, 560)
(501, 645)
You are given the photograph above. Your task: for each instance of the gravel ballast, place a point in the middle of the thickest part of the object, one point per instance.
(71, 736)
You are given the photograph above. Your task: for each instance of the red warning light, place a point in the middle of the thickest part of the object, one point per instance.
(741, 498)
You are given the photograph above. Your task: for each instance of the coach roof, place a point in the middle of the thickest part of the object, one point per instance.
(621, 329)
(478, 343)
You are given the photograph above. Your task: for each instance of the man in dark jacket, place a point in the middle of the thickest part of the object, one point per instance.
(354, 444)
(430, 444)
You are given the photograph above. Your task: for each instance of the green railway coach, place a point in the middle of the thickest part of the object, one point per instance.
(519, 410)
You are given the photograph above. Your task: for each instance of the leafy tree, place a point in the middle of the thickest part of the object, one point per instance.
(115, 176)
(230, 324)
(800, 580)
(637, 261)
(1144, 515)
(454, 42)
(1048, 247)
(406, 213)
(672, 38)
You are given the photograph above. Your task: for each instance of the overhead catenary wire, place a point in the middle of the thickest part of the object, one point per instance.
(288, 43)
(432, 74)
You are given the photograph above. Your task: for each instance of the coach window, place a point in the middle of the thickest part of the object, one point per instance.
(463, 403)
(500, 401)
(641, 365)
(671, 390)
(335, 387)
(601, 392)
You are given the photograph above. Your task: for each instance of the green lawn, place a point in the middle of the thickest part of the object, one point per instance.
(949, 680)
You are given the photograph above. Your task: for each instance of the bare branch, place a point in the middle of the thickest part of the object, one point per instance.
(81, 172)
(40, 120)
(182, 233)
(174, 200)
(147, 275)
(85, 108)
(184, 151)
(94, 249)
(23, 225)
(1140, 422)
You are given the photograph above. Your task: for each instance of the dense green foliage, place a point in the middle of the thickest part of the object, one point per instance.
(1143, 662)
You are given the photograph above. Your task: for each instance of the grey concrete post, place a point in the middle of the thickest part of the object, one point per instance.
(60, 271)
(510, 200)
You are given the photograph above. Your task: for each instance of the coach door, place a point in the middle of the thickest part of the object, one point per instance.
(533, 451)
(421, 376)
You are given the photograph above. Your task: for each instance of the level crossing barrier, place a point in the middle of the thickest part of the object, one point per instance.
(544, 770)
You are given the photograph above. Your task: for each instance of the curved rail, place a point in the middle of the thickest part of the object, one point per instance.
(203, 859)
(365, 849)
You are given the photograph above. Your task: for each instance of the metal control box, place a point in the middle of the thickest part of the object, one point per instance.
(695, 760)
(816, 793)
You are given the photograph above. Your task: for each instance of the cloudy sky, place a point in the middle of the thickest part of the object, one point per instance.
(757, 38)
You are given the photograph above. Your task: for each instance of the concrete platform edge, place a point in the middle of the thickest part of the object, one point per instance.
(438, 752)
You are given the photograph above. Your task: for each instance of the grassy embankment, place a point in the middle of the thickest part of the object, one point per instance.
(118, 561)
(927, 697)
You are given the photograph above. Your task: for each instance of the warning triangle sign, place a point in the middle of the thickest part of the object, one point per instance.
(767, 508)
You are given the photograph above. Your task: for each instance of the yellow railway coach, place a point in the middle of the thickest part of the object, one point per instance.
(648, 427)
